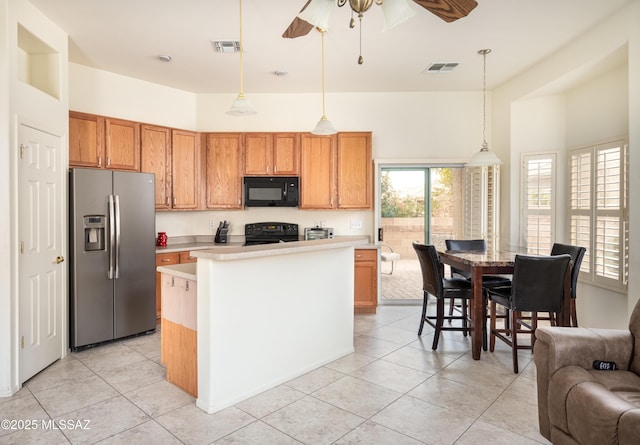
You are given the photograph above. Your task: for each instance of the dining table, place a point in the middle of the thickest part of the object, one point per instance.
(489, 262)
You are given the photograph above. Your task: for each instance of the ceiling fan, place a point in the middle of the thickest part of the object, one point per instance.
(395, 11)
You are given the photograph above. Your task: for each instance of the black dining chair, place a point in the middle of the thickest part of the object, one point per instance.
(434, 283)
(470, 246)
(539, 284)
(577, 253)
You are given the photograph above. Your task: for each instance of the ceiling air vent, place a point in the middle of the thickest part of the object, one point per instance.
(440, 67)
(226, 46)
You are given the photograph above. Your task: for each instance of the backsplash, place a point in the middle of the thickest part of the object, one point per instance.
(189, 223)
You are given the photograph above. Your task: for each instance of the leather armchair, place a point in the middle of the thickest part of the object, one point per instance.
(578, 404)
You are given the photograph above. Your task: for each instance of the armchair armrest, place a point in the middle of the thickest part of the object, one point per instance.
(558, 347)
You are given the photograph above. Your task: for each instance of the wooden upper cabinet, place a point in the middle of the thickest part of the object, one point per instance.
(155, 157)
(122, 144)
(271, 154)
(185, 169)
(224, 170)
(317, 171)
(86, 140)
(354, 171)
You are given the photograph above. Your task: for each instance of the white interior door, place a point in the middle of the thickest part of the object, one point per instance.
(41, 268)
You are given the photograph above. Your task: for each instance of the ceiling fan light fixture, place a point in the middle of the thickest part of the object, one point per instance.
(395, 12)
(318, 13)
(484, 157)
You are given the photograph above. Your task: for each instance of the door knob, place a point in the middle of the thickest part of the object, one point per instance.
(59, 259)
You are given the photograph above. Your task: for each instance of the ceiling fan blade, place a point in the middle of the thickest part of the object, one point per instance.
(298, 27)
(448, 10)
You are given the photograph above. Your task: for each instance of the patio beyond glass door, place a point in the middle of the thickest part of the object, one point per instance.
(422, 204)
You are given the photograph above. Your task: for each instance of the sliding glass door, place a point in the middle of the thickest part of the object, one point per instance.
(416, 203)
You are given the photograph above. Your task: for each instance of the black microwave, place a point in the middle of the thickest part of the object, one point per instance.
(273, 191)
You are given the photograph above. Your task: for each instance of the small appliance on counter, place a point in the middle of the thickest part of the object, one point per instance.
(270, 232)
(222, 233)
(311, 233)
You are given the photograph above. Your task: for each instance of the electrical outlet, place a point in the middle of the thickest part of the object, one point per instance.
(356, 224)
(212, 223)
(323, 224)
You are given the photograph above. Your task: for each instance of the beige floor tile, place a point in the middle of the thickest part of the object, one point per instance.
(159, 398)
(393, 334)
(35, 437)
(73, 395)
(102, 420)
(476, 373)
(314, 380)
(429, 361)
(270, 401)
(149, 432)
(423, 421)
(357, 396)
(372, 433)
(465, 399)
(128, 378)
(147, 345)
(350, 362)
(110, 356)
(515, 414)
(193, 426)
(390, 375)
(375, 347)
(313, 421)
(483, 432)
(16, 409)
(257, 433)
(66, 370)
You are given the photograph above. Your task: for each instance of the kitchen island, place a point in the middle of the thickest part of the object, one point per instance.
(269, 313)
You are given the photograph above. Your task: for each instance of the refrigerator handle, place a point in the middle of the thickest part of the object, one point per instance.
(112, 237)
(117, 243)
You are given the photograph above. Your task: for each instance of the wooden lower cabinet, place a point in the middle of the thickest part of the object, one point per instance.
(365, 294)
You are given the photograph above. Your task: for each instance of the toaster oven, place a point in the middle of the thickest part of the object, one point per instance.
(317, 233)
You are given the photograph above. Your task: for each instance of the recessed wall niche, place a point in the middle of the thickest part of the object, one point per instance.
(38, 63)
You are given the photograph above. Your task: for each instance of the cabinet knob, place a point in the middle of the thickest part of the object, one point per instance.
(99, 161)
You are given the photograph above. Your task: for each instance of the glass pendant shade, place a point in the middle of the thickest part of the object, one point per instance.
(396, 12)
(483, 158)
(318, 13)
(241, 107)
(324, 127)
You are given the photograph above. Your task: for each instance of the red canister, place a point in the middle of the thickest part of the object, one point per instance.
(162, 239)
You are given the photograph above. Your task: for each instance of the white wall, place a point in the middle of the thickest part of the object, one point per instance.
(602, 107)
(433, 125)
(21, 103)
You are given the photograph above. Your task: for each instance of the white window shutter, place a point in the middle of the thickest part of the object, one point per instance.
(481, 204)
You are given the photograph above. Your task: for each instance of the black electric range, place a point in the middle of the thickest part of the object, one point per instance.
(269, 233)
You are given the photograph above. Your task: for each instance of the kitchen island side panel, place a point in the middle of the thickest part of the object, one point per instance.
(263, 321)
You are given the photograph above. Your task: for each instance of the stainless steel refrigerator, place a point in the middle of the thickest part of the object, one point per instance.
(112, 253)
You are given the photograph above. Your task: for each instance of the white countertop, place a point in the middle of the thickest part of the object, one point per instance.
(231, 253)
(188, 271)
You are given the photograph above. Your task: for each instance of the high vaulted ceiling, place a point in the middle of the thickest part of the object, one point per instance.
(127, 37)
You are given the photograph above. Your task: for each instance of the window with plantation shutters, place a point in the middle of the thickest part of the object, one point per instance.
(481, 204)
(538, 202)
(598, 209)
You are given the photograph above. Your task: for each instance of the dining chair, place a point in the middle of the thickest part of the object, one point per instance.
(577, 253)
(474, 245)
(539, 284)
(434, 283)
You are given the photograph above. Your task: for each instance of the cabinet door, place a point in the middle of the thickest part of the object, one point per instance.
(317, 171)
(224, 167)
(185, 169)
(258, 149)
(155, 157)
(365, 293)
(286, 154)
(163, 259)
(86, 140)
(122, 144)
(185, 257)
(354, 171)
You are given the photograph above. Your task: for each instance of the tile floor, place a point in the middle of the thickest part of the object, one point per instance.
(392, 390)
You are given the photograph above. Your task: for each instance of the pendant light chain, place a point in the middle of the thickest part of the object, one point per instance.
(484, 53)
(241, 51)
(323, 109)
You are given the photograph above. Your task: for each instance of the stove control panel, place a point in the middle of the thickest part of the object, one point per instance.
(272, 229)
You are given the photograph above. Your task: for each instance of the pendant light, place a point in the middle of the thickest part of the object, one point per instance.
(484, 157)
(241, 105)
(324, 126)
